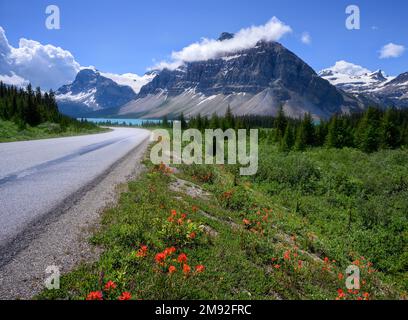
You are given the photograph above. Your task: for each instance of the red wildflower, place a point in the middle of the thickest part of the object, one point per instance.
(172, 269)
(186, 269)
(110, 285)
(183, 216)
(125, 296)
(142, 252)
(277, 266)
(180, 221)
(286, 255)
(192, 235)
(200, 268)
(366, 295)
(169, 251)
(160, 257)
(182, 258)
(95, 295)
(340, 276)
(341, 294)
(246, 222)
(173, 213)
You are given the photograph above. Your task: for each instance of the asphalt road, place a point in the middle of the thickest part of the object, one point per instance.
(38, 176)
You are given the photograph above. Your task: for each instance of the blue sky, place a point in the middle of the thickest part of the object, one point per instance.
(125, 36)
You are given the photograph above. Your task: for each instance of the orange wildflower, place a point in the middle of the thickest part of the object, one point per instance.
(125, 296)
(110, 285)
(95, 295)
(182, 258)
(200, 268)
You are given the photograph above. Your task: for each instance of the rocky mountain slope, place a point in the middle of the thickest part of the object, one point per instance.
(253, 81)
(94, 91)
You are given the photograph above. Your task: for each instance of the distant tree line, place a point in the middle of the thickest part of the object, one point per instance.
(368, 131)
(28, 107)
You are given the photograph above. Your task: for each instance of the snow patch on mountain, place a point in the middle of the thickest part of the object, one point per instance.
(355, 78)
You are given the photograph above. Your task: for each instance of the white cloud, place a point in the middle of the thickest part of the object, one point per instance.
(132, 80)
(207, 49)
(391, 50)
(14, 80)
(350, 69)
(46, 66)
(306, 38)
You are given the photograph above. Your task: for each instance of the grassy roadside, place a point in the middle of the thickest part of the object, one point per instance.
(199, 232)
(10, 132)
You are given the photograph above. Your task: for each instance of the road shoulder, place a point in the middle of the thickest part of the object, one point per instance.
(63, 241)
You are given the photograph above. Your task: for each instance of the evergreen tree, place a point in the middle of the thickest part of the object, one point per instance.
(183, 121)
(368, 134)
(288, 139)
(390, 134)
(280, 124)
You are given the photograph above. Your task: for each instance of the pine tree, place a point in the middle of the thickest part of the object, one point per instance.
(390, 134)
(368, 134)
(183, 121)
(165, 122)
(214, 122)
(280, 124)
(288, 139)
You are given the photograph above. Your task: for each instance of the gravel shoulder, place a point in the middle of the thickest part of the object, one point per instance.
(63, 240)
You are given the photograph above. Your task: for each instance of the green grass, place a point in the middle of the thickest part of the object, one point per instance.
(9, 131)
(342, 206)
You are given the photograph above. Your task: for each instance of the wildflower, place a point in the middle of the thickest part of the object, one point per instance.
(173, 213)
(180, 221)
(246, 222)
(170, 219)
(110, 285)
(341, 294)
(286, 255)
(277, 266)
(300, 263)
(160, 257)
(95, 295)
(183, 216)
(192, 235)
(169, 251)
(366, 295)
(186, 269)
(125, 296)
(194, 209)
(172, 269)
(200, 268)
(142, 252)
(340, 276)
(182, 258)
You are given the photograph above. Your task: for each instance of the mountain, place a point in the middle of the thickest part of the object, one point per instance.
(253, 81)
(95, 91)
(365, 84)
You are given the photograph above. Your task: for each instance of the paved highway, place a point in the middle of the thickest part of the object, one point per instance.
(36, 177)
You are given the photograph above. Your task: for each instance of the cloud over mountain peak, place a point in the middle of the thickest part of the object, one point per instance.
(244, 39)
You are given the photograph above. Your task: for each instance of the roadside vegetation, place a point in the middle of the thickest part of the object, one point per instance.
(26, 114)
(289, 232)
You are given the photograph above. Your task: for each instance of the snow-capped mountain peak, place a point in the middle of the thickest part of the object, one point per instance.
(354, 78)
(376, 86)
